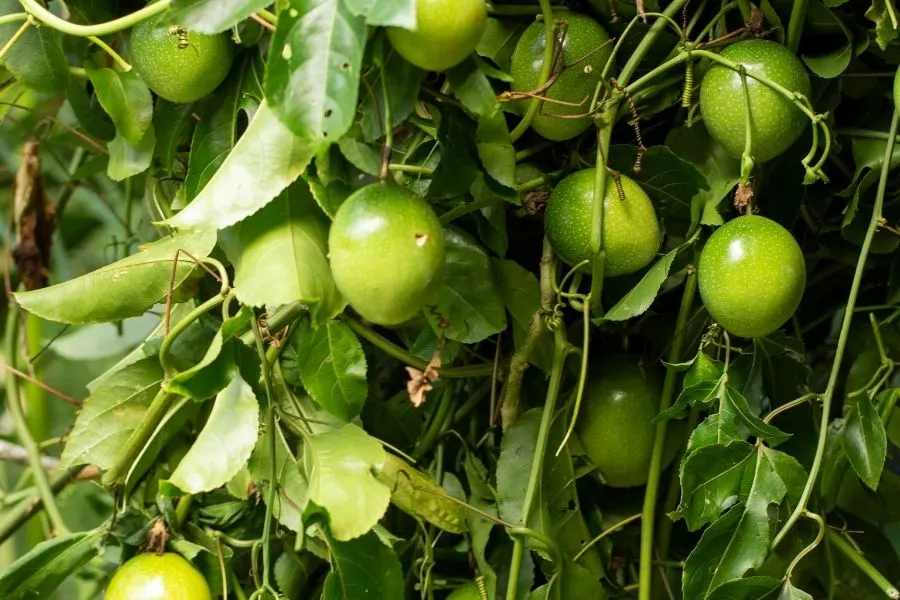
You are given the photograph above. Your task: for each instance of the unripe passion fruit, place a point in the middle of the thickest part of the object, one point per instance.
(157, 577)
(447, 31)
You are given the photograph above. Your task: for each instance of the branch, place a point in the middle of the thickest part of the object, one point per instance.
(18, 454)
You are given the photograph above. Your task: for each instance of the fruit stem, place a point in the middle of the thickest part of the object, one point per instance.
(560, 349)
(549, 48)
(845, 332)
(123, 64)
(14, 405)
(388, 121)
(659, 439)
(795, 25)
(837, 540)
(49, 19)
(442, 413)
(268, 16)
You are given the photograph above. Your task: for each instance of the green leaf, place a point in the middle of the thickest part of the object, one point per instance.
(499, 40)
(825, 24)
(757, 587)
(126, 99)
(341, 466)
(266, 160)
(710, 480)
(385, 13)
(212, 16)
(292, 571)
(482, 498)
(332, 367)
(403, 80)
(126, 160)
(739, 540)
(517, 448)
(88, 111)
(111, 413)
(496, 149)
(865, 441)
(757, 426)
(472, 88)
(312, 75)
(521, 294)
(361, 156)
(718, 428)
(37, 58)
(42, 569)
(885, 31)
(280, 255)
(224, 444)
(362, 569)
(458, 168)
(468, 306)
(126, 288)
(171, 124)
(789, 592)
(292, 487)
(640, 297)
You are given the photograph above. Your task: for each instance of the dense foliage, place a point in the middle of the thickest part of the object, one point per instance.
(384, 299)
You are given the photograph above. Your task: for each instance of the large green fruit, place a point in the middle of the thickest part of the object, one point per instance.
(179, 65)
(386, 249)
(447, 31)
(615, 425)
(157, 577)
(467, 591)
(586, 49)
(776, 122)
(631, 232)
(751, 276)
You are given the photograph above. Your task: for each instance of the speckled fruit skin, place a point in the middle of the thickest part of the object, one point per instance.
(467, 591)
(386, 249)
(155, 577)
(584, 65)
(179, 75)
(447, 31)
(620, 401)
(631, 232)
(776, 121)
(751, 276)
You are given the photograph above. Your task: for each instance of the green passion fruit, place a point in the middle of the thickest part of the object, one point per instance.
(178, 65)
(751, 276)
(776, 122)
(157, 577)
(585, 52)
(467, 591)
(631, 233)
(386, 249)
(446, 32)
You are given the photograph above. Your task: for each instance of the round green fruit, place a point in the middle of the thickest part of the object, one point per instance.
(386, 249)
(776, 122)
(178, 65)
(447, 31)
(586, 49)
(615, 426)
(751, 276)
(157, 577)
(467, 591)
(631, 232)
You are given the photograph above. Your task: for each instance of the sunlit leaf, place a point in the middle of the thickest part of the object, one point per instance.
(126, 99)
(40, 571)
(212, 16)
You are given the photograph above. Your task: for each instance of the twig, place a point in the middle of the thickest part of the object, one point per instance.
(262, 22)
(40, 384)
(18, 454)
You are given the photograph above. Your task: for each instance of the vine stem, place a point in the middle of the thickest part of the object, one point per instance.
(14, 405)
(559, 356)
(15, 38)
(123, 64)
(609, 530)
(659, 439)
(843, 546)
(549, 47)
(842, 339)
(46, 17)
(795, 25)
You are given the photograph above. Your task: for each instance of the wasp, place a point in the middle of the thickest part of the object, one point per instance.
(182, 35)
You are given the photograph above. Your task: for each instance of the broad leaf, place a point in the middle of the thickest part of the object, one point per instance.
(332, 367)
(111, 413)
(495, 149)
(39, 572)
(468, 306)
(360, 155)
(470, 85)
(757, 587)
(127, 160)
(885, 31)
(266, 160)
(522, 296)
(224, 444)
(835, 61)
(395, 13)
(865, 441)
(710, 481)
(37, 59)
(212, 16)
(517, 448)
(280, 255)
(292, 487)
(126, 288)
(362, 569)
(730, 396)
(402, 90)
(482, 498)
(641, 296)
(341, 465)
(171, 123)
(126, 99)
(459, 157)
(789, 592)
(312, 76)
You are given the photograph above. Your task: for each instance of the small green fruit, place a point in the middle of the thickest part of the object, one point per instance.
(467, 591)
(157, 577)
(447, 31)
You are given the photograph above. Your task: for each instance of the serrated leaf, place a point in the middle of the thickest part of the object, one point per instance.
(468, 306)
(224, 444)
(754, 424)
(710, 481)
(718, 428)
(332, 367)
(640, 297)
(126, 288)
(865, 441)
(126, 160)
(312, 76)
(111, 413)
(341, 466)
(385, 13)
(42, 569)
(280, 255)
(126, 99)
(362, 569)
(885, 31)
(360, 155)
(212, 16)
(266, 160)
